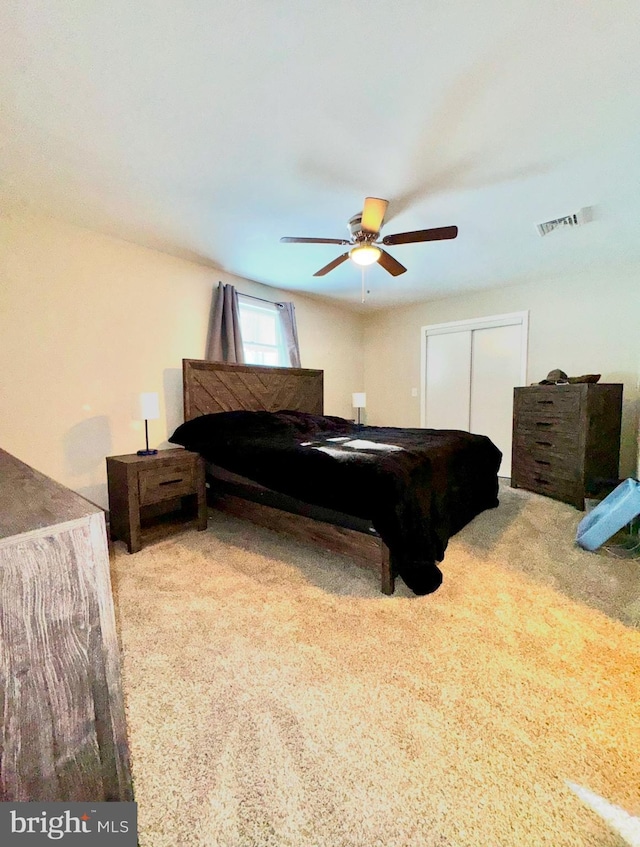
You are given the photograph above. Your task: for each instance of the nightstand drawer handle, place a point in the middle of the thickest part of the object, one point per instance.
(544, 443)
(542, 480)
(546, 402)
(544, 423)
(542, 462)
(170, 481)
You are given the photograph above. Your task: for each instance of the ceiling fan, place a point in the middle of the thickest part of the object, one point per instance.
(365, 236)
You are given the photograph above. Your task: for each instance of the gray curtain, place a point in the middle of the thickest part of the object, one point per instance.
(288, 315)
(225, 340)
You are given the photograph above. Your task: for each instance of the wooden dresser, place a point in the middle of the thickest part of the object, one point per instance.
(63, 733)
(566, 439)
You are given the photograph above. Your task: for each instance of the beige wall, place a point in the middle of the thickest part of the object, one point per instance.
(587, 323)
(88, 321)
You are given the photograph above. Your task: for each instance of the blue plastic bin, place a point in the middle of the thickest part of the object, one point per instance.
(615, 511)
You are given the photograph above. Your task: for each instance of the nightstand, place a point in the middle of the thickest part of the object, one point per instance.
(151, 496)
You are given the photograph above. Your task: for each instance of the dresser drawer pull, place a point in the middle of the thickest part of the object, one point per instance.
(541, 480)
(542, 462)
(544, 443)
(170, 481)
(544, 423)
(546, 402)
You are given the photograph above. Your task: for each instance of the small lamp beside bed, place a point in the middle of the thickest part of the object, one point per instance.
(148, 409)
(359, 401)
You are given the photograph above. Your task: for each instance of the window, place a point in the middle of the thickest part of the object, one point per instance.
(262, 335)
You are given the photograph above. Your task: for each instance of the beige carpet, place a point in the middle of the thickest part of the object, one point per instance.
(275, 697)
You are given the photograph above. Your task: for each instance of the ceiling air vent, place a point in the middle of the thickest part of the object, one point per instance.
(583, 216)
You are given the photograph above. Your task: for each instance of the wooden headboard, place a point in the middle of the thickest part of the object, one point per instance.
(220, 387)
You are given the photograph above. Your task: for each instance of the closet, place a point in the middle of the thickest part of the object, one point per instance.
(469, 371)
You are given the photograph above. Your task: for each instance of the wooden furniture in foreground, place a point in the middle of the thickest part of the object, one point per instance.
(150, 496)
(566, 439)
(63, 732)
(211, 387)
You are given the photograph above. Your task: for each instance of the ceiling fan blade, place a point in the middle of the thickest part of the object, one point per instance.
(373, 214)
(436, 234)
(290, 240)
(332, 265)
(390, 264)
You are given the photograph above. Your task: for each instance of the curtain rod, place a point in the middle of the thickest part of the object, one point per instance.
(261, 299)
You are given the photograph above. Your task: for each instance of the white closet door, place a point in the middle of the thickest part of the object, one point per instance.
(495, 370)
(470, 369)
(448, 380)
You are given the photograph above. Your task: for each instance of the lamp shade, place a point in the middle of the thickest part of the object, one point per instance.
(148, 408)
(365, 254)
(359, 400)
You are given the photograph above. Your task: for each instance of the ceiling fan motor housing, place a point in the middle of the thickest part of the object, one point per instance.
(357, 233)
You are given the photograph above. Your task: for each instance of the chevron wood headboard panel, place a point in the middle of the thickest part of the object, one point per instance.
(220, 387)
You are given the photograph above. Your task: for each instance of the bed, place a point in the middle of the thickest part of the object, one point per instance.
(388, 498)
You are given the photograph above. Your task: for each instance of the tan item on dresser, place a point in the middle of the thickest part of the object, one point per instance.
(566, 439)
(63, 731)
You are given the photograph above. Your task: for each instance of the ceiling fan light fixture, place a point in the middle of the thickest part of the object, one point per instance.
(365, 254)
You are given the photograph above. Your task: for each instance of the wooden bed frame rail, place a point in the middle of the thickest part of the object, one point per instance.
(367, 551)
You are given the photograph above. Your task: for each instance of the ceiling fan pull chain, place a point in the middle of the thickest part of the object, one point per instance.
(363, 271)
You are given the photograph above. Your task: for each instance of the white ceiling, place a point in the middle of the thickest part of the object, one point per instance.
(209, 129)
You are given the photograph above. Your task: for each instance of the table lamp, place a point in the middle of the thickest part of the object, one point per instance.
(148, 410)
(359, 401)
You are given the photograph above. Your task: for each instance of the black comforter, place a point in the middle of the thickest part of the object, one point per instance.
(417, 486)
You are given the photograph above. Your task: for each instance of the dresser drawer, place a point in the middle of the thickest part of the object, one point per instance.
(547, 425)
(546, 464)
(547, 402)
(567, 490)
(174, 479)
